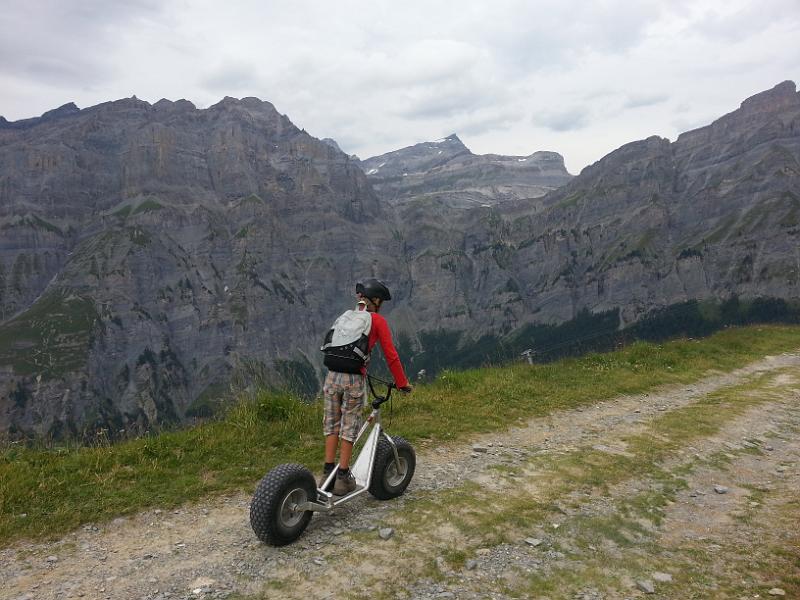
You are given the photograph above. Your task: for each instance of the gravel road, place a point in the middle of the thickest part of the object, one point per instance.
(207, 550)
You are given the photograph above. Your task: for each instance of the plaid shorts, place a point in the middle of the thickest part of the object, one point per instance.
(344, 402)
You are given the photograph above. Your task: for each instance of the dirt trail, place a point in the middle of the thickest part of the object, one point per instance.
(207, 550)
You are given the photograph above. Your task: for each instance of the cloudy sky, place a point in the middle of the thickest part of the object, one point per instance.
(509, 76)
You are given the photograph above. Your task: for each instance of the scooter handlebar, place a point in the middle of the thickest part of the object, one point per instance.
(381, 399)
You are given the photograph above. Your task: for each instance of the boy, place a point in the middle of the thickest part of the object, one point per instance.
(345, 392)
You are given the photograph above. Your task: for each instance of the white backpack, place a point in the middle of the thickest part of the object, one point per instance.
(346, 345)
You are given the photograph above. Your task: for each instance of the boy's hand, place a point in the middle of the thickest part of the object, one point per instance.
(407, 389)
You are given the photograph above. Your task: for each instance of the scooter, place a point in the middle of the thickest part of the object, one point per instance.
(286, 498)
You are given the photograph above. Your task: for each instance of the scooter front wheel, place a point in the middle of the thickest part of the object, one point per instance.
(390, 479)
(274, 513)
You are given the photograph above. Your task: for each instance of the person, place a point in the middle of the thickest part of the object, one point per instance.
(345, 393)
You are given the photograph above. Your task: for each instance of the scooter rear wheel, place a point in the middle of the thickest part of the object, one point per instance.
(274, 514)
(388, 480)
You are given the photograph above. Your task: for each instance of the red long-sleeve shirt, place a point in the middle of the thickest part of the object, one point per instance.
(379, 332)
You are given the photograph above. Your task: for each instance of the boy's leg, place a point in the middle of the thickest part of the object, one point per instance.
(332, 415)
(345, 453)
(331, 442)
(352, 408)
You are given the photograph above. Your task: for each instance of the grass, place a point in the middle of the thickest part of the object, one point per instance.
(251, 199)
(35, 222)
(60, 489)
(50, 338)
(148, 205)
(123, 212)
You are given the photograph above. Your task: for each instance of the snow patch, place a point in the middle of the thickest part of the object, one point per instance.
(521, 159)
(372, 171)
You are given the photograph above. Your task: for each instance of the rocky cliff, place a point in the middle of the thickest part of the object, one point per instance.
(149, 253)
(713, 215)
(447, 171)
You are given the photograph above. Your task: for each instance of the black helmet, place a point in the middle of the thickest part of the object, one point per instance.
(373, 288)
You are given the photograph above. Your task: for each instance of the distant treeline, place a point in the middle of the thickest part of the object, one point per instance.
(587, 332)
(441, 349)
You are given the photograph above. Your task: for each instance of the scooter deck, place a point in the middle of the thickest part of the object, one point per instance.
(361, 470)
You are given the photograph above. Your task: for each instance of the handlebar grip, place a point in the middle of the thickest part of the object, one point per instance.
(381, 399)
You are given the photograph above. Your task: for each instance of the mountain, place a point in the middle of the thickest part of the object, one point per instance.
(151, 254)
(712, 216)
(332, 143)
(448, 171)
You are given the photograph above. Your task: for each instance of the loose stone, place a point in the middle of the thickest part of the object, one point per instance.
(385, 532)
(533, 542)
(662, 577)
(776, 592)
(720, 489)
(646, 586)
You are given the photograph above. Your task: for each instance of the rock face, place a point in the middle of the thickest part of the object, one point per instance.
(150, 253)
(712, 215)
(446, 171)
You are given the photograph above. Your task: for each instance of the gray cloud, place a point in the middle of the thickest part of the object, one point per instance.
(638, 101)
(67, 43)
(484, 124)
(577, 77)
(747, 21)
(228, 77)
(543, 36)
(563, 120)
(445, 102)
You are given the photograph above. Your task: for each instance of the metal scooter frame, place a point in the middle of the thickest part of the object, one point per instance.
(362, 468)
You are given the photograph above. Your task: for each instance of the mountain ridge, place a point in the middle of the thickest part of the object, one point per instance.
(151, 253)
(447, 169)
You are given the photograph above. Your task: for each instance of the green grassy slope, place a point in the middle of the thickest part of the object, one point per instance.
(44, 493)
